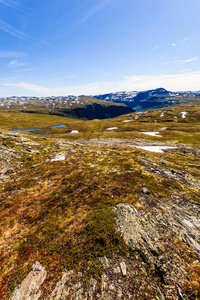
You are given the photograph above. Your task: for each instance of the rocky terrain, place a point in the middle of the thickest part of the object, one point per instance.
(99, 214)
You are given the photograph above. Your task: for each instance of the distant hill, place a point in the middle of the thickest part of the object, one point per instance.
(82, 107)
(150, 99)
(103, 106)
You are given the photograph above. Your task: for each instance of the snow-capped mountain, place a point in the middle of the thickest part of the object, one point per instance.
(149, 99)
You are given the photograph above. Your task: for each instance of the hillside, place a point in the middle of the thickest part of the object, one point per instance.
(151, 99)
(72, 107)
(100, 209)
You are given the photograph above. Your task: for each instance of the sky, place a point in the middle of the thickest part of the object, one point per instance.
(87, 47)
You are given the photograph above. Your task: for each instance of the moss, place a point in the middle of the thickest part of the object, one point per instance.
(102, 234)
(24, 183)
(94, 269)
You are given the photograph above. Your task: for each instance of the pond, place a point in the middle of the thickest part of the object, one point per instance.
(36, 129)
(58, 126)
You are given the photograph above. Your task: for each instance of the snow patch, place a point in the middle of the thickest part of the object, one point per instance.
(74, 131)
(58, 157)
(111, 128)
(184, 113)
(126, 121)
(157, 149)
(152, 133)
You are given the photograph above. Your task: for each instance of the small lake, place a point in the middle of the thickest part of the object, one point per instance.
(41, 129)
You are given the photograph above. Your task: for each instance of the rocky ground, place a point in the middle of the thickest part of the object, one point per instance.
(153, 259)
(161, 227)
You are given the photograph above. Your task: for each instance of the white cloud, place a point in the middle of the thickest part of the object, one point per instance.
(190, 60)
(27, 86)
(173, 45)
(15, 63)
(173, 82)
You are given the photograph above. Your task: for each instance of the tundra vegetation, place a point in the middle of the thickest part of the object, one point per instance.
(59, 191)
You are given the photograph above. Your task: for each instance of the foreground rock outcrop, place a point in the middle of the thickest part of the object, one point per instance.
(30, 286)
(154, 268)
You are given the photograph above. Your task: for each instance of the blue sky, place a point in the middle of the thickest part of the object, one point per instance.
(64, 47)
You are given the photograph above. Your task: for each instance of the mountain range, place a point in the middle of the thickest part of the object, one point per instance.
(150, 99)
(102, 106)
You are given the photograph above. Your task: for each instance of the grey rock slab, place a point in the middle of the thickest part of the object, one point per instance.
(30, 286)
(140, 229)
(123, 268)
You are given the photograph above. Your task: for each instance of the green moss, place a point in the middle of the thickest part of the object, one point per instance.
(24, 183)
(102, 234)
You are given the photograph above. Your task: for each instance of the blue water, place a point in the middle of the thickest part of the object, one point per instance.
(34, 129)
(58, 126)
(31, 129)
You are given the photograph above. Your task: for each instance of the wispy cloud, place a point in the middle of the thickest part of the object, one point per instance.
(13, 31)
(190, 60)
(174, 82)
(100, 5)
(27, 86)
(12, 4)
(173, 45)
(11, 54)
(4, 26)
(186, 61)
(180, 61)
(15, 63)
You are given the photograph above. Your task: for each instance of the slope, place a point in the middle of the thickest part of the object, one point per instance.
(92, 216)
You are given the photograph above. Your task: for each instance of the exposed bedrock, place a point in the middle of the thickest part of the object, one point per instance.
(152, 269)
